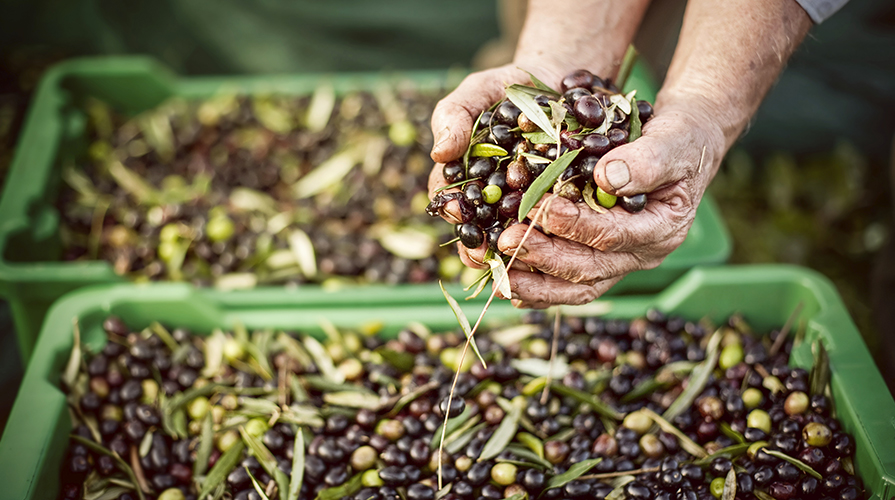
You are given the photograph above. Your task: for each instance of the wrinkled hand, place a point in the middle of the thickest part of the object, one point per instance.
(583, 253)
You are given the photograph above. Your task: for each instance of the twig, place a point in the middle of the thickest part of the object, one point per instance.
(784, 332)
(701, 158)
(553, 348)
(610, 475)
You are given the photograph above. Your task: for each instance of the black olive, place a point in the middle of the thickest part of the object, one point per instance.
(454, 171)
(481, 167)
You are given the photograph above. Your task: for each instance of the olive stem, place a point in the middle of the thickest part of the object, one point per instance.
(784, 332)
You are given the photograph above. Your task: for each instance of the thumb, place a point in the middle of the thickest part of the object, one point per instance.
(669, 151)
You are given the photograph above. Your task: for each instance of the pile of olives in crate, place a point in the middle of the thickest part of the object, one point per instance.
(235, 191)
(654, 407)
(510, 150)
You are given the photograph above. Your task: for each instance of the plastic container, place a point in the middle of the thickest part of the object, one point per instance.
(31, 274)
(35, 439)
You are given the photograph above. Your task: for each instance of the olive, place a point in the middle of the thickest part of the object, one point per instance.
(644, 110)
(454, 171)
(393, 475)
(485, 215)
(503, 474)
(617, 137)
(518, 176)
(842, 444)
(507, 113)
(577, 489)
(471, 236)
(782, 491)
(572, 95)
(581, 78)
(596, 144)
(589, 112)
(492, 235)
(457, 405)
(498, 179)
(479, 473)
(419, 491)
(817, 434)
(474, 194)
(509, 204)
(492, 194)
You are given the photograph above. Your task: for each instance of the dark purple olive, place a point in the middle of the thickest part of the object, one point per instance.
(481, 167)
(618, 137)
(506, 113)
(581, 78)
(633, 204)
(596, 144)
(502, 135)
(509, 204)
(589, 112)
(470, 235)
(454, 171)
(644, 111)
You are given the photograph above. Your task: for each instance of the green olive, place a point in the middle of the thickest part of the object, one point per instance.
(219, 228)
(817, 434)
(717, 487)
(390, 429)
(759, 419)
(233, 349)
(731, 356)
(796, 403)
(503, 474)
(197, 408)
(256, 427)
(605, 199)
(492, 193)
(371, 479)
(752, 397)
(651, 446)
(227, 440)
(754, 447)
(351, 368)
(463, 463)
(638, 422)
(150, 391)
(172, 494)
(363, 458)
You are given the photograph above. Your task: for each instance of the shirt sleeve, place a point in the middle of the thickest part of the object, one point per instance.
(820, 10)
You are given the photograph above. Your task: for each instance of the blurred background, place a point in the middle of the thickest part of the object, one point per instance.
(810, 183)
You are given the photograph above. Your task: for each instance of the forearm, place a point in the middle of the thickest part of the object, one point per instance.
(729, 54)
(561, 36)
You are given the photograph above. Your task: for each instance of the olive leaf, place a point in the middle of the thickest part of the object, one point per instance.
(407, 242)
(266, 459)
(644, 388)
(444, 491)
(686, 443)
(512, 335)
(588, 399)
(303, 250)
(480, 283)
(525, 101)
(795, 461)
(762, 495)
(501, 278)
(323, 360)
(206, 445)
(557, 113)
(537, 367)
(538, 137)
(487, 150)
(464, 322)
(636, 126)
(119, 462)
(136, 186)
(298, 465)
(730, 485)
(213, 348)
(459, 439)
(457, 184)
(575, 471)
(323, 101)
(73, 367)
(699, 377)
(728, 431)
(353, 399)
(251, 200)
(503, 435)
(145, 444)
(327, 174)
(820, 372)
(477, 137)
(528, 455)
(345, 489)
(730, 452)
(544, 182)
(255, 484)
(452, 425)
(543, 87)
(618, 485)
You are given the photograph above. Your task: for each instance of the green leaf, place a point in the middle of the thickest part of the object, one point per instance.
(820, 372)
(500, 276)
(730, 452)
(403, 361)
(528, 455)
(575, 471)
(452, 425)
(503, 435)
(266, 459)
(206, 445)
(323, 360)
(728, 431)
(538, 84)
(588, 399)
(298, 465)
(618, 491)
(353, 399)
(636, 126)
(644, 388)
(222, 468)
(464, 323)
(795, 461)
(544, 182)
(257, 486)
(534, 443)
(537, 137)
(346, 489)
(487, 150)
(512, 335)
(686, 443)
(526, 102)
(699, 377)
(459, 439)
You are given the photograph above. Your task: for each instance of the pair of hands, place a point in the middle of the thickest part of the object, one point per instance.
(587, 252)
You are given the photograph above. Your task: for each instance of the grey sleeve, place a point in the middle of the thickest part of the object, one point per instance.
(820, 10)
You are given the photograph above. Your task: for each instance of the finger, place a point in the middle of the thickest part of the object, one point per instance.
(454, 115)
(669, 151)
(539, 291)
(661, 225)
(572, 261)
(468, 260)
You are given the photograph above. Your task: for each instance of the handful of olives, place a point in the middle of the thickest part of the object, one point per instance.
(511, 150)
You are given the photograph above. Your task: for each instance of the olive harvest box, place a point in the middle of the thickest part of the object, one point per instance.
(32, 274)
(35, 439)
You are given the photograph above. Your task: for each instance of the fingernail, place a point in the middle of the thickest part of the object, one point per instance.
(617, 174)
(520, 252)
(440, 137)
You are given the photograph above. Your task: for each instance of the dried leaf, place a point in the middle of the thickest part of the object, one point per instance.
(537, 367)
(544, 182)
(255, 484)
(328, 173)
(464, 323)
(320, 109)
(730, 485)
(500, 276)
(533, 158)
(575, 471)
(525, 102)
(557, 113)
(301, 247)
(214, 353)
(590, 199)
(503, 435)
(353, 399)
(408, 242)
(323, 360)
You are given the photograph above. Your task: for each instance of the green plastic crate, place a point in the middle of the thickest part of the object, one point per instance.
(31, 274)
(35, 439)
